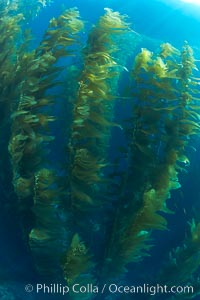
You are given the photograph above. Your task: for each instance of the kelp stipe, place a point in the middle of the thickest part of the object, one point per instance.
(51, 218)
(11, 32)
(91, 127)
(136, 215)
(155, 152)
(30, 121)
(92, 116)
(30, 133)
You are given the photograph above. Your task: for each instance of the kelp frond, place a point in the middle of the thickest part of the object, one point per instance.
(76, 261)
(92, 116)
(158, 141)
(184, 261)
(49, 231)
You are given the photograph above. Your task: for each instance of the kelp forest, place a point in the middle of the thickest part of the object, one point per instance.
(97, 136)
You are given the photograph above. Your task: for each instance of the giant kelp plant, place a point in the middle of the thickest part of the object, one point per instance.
(86, 217)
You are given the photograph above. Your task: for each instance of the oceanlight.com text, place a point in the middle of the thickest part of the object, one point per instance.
(112, 288)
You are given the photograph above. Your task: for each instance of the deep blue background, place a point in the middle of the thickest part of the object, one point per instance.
(167, 20)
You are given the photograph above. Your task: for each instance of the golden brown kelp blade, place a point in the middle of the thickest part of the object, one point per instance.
(61, 34)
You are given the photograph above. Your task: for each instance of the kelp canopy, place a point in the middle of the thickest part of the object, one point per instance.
(87, 215)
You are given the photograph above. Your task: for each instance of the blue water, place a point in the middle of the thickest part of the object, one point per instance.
(170, 21)
(157, 21)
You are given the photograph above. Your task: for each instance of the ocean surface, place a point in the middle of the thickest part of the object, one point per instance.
(100, 149)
